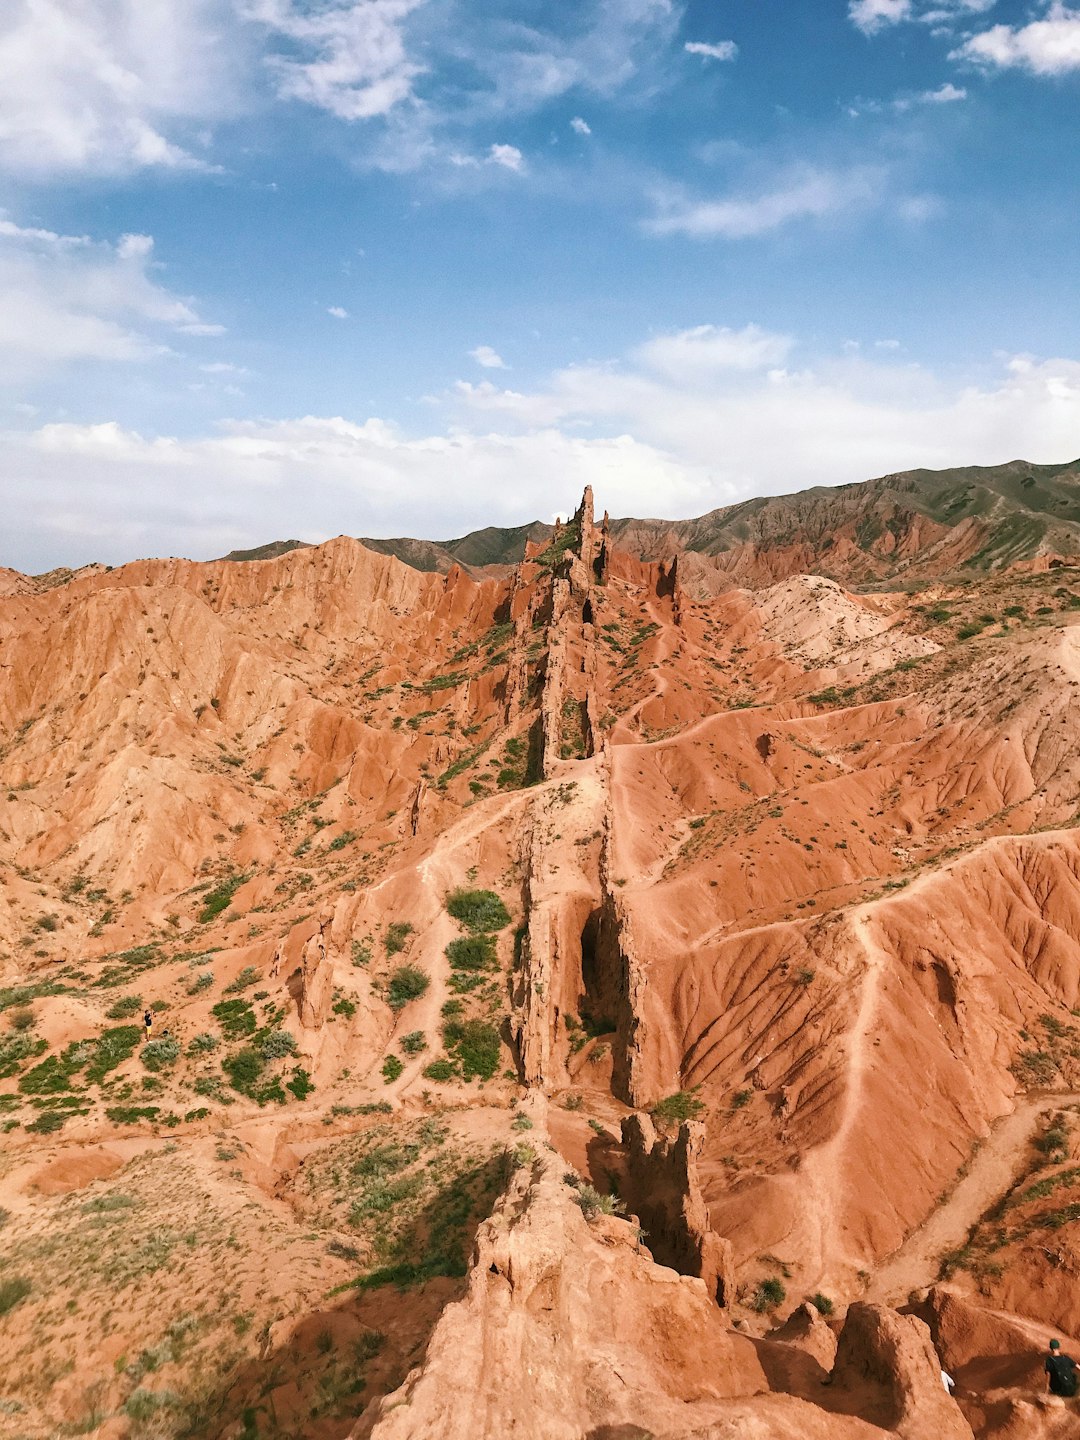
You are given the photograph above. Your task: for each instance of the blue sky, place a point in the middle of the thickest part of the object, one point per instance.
(303, 267)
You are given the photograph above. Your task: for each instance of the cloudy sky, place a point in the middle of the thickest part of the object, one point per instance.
(277, 268)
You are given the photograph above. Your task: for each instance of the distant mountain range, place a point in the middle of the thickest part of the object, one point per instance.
(907, 526)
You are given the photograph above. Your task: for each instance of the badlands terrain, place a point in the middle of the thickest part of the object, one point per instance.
(611, 981)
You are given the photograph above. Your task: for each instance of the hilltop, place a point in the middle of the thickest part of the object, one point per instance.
(608, 994)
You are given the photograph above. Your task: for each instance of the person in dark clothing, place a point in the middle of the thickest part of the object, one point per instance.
(1061, 1370)
(148, 1024)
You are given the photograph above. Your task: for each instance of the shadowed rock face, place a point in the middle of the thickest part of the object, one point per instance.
(449, 888)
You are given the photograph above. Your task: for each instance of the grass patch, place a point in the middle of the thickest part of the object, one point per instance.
(476, 1046)
(480, 911)
(220, 898)
(683, 1105)
(236, 1018)
(472, 953)
(12, 1291)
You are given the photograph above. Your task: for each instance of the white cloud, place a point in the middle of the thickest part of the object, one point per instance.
(580, 126)
(1043, 47)
(721, 50)
(805, 194)
(345, 56)
(432, 73)
(947, 94)
(337, 312)
(487, 357)
(65, 298)
(770, 428)
(103, 491)
(653, 435)
(871, 15)
(97, 86)
(508, 156)
(696, 356)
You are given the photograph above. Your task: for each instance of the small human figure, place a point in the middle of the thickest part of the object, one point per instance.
(948, 1382)
(1061, 1371)
(148, 1023)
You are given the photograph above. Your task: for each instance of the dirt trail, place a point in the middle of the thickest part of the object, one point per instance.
(996, 1168)
(821, 1167)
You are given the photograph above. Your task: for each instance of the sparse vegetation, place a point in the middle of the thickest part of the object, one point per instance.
(395, 937)
(683, 1105)
(220, 898)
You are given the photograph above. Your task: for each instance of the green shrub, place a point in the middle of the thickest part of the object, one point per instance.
(396, 935)
(440, 1070)
(821, 1303)
(593, 1203)
(22, 1018)
(248, 976)
(344, 1006)
(472, 952)
(768, 1295)
(235, 1017)
(391, 1069)
(683, 1105)
(12, 1291)
(741, 1098)
(124, 1008)
(480, 911)
(300, 1084)
(14, 1049)
(476, 1045)
(143, 1404)
(414, 1042)
(131, 1114)
(243, 1069)
(407, 983)
(203, 1043)
(48, 1122)
(277, 1045)
(158, 1054)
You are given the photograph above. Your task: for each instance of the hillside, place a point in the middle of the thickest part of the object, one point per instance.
(602, 997)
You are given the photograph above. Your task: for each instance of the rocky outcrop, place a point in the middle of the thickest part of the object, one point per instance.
(888, 1371)
(807, 1330)
(661, 1187)
(567, 1330)
(317, 978)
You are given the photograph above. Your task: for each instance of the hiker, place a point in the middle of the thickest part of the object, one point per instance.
(948, 1382)
(1061, 1370)
(148, 1024)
